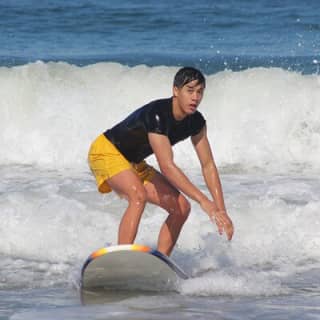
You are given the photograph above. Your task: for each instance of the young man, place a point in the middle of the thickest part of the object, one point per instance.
(117, 160)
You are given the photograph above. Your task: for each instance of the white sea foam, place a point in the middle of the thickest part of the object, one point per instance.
(52, 220)
(259, 118)
(52, 216)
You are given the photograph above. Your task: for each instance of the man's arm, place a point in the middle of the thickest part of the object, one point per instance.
(212, 179)
(163, 151)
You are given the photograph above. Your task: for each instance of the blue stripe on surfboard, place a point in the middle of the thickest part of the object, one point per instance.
(169, 262)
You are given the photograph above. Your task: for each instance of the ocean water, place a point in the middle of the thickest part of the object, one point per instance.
(69, 70)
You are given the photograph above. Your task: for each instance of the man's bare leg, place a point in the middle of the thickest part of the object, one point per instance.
(160, 192)
(128, 185)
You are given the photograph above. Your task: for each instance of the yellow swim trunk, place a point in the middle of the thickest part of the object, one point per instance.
(105, 161)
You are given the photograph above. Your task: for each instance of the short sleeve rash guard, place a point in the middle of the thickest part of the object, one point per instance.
(130, 136)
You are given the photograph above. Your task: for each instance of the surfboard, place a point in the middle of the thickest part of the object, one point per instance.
(130, 267)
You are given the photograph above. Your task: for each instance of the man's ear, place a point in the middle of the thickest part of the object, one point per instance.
(175, 91)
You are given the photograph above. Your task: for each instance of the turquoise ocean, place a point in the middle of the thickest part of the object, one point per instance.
(71, 69)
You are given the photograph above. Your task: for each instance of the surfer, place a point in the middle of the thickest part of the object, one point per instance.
(117, 160)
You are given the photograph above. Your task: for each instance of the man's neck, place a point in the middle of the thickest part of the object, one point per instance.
(177, 112)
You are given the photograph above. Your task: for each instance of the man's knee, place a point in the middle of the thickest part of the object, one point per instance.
(185, 207)
(179, 209)
(138, 196)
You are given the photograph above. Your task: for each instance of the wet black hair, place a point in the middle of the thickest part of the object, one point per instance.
(186, 75)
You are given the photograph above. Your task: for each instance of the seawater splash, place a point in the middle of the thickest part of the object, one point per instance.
(260, 122)
(266, 119)
(276, 225)
(52, 220)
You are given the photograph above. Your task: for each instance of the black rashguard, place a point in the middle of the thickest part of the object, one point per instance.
(130, 136)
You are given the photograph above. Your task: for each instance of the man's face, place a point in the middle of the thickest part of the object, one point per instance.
(189, 96)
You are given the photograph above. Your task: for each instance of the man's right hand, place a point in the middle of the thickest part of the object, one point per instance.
(219, 217)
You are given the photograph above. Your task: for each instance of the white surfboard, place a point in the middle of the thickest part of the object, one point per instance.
(130, 267)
